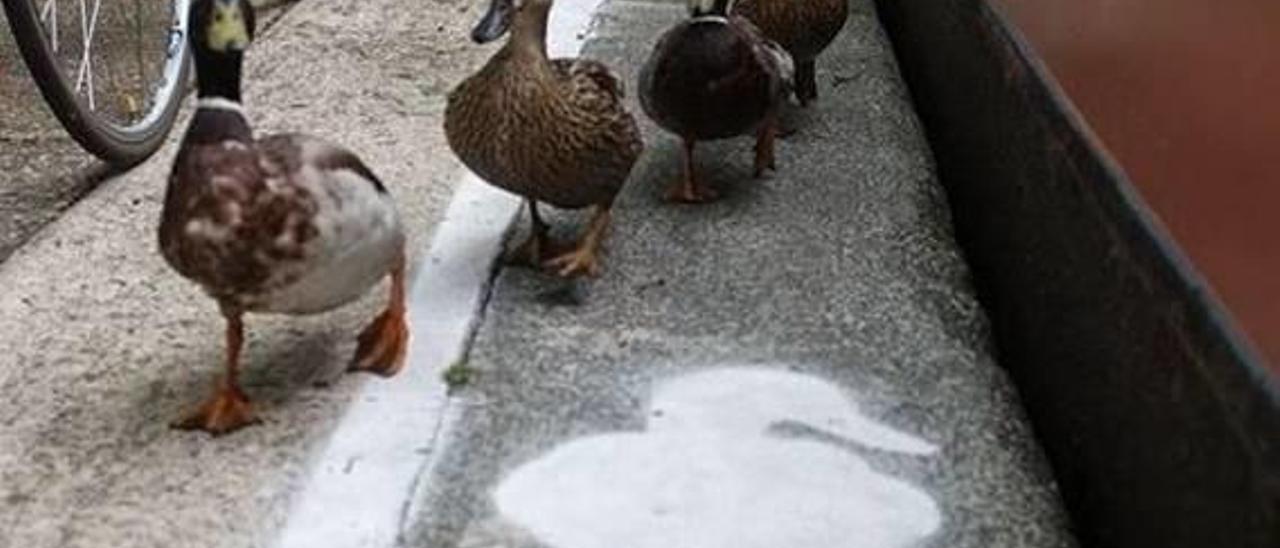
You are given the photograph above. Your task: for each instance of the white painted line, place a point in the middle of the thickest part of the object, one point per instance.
(363, 483)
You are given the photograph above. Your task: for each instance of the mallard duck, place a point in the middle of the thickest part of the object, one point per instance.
(550, 130)
(803, 27)
(281, 224)
(715, 76)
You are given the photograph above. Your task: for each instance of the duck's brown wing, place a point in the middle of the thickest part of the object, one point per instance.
(593, 88)
(230, 221)
(291, 150)
(589, 79)
(248, 221)
(598, 112)
(803, 28)
(768, 54)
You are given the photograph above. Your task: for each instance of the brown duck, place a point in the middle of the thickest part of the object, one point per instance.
(550, 130)
(715, 76)
(803, 27)
(281, 224)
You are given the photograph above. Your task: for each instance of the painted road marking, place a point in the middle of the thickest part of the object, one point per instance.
(712, 471)
(361, 487)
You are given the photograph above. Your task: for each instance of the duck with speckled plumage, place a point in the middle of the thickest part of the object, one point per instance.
(714, 76)
(549, 130)
(278, 224)
(804, 27)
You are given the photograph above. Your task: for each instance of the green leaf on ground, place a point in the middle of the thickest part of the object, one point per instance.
(459, 374)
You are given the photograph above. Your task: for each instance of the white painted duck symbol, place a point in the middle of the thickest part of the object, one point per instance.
(712, 471)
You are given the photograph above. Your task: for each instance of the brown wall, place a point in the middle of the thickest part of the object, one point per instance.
(1186, 95)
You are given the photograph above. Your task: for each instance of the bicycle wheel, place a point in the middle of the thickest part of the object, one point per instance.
(114, 75)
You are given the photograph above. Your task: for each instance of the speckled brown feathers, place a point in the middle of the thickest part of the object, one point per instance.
(284, 224)
(239, 222)
(231, 234)
(550, 130)
(804, 27)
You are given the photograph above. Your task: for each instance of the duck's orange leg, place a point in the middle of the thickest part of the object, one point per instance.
(688, 190)
(765, 137)
(538, 246)
(228, 409)
(384, 343)
(585, 258)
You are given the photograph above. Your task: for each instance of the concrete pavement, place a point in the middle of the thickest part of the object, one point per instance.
(801, 364)
(102, 345)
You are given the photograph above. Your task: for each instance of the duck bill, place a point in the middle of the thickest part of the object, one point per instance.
(495, 23)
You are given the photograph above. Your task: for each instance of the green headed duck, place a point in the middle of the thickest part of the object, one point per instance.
(280, 224)
(715, 76)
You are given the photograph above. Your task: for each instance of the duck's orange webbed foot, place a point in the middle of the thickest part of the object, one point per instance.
(765, 159)
(531, 252)
(584, 260)
(228, 410)
(688, 189)
(691, 193)
(384, 343)
(579, 262)
(538, 247)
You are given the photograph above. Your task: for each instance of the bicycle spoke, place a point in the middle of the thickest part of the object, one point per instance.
(49, 15)
(84, 46)
(88, 49)
(113, 74)
(88, 27)
(137, 49)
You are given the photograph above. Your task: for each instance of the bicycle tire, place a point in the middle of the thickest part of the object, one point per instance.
(121, 146)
